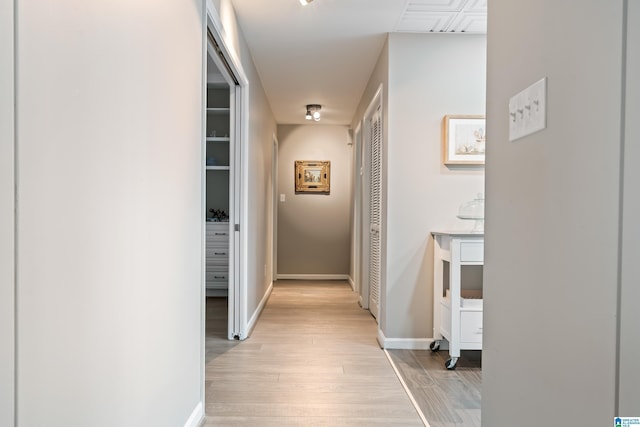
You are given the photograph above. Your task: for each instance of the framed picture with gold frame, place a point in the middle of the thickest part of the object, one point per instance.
(463, 140)
(312, 176)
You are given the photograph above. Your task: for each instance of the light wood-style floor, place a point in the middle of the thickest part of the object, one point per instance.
(446, 398)
(312, 360)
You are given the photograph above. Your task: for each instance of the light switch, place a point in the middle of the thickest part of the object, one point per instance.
(528, 110)
(282, 197)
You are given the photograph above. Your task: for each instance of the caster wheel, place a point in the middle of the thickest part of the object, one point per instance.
(434, 346)
(451, 363)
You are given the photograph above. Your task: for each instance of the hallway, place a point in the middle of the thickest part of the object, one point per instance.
(312, 359)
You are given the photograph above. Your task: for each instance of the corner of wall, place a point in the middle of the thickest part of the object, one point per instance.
(7, 214)
(629, 334)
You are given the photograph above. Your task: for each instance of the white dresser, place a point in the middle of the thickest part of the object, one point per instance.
(217, 258)
(455, 318)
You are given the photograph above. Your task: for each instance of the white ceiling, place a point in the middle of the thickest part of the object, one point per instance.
(324, 53)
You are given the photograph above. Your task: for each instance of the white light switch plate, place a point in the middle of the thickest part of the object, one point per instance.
(528, 110)
(282, 197)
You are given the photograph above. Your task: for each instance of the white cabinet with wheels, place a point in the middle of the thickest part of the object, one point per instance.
(457, 310)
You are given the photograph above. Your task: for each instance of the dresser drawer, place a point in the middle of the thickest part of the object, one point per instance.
(217, 277)
(217, 245)
(215, 252)
(219, 238)
(218, 235)
(217, 230)
(472, 251)
(471, 327)
(214, 262)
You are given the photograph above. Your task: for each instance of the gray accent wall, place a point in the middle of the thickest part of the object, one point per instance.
(7, 258)
(313, 229)
(110, 218)
(553, 268)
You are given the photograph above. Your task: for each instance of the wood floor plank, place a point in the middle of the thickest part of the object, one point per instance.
(212, 421)
(446, 398)
(313, 359)
(312, 409)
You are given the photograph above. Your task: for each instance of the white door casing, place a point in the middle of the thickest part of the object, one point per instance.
(232, 70)
(357, 214)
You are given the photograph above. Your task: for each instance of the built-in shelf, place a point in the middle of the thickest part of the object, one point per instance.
(217, 161)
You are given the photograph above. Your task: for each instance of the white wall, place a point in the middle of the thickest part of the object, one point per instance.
(110, 212)
(7, 299)
(430, 75)
(424, 77)
(630, 291)
(552, 220)
(258, 163)
(313, 229)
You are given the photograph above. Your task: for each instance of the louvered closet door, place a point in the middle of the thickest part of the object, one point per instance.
(374, 213)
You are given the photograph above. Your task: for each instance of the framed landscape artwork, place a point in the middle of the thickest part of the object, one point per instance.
(312, 176)
(463, 140)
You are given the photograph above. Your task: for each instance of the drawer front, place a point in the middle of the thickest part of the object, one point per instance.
(217, 262)
(217, 252)
(219, 238)
(218, 235)
(216, 277)
(217, 245)
(472, 251)
(217, 268)
(217, 231)
(471, 326)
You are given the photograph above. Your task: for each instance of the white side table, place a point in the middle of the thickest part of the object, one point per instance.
(460, 324)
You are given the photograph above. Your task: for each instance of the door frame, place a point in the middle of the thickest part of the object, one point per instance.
(358, 169)
(234, 73)
(274, 209)
(374, 105)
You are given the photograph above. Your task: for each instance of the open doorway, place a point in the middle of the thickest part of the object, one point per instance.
(224, 213)
(219, 193)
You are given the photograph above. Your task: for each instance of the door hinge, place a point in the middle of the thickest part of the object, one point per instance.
(236, 227)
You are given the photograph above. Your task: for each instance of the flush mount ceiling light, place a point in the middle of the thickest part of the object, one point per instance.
(313, 112)
(305, 2)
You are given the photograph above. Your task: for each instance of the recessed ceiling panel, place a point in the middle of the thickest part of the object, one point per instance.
(444, 16)
(476, 6)
(324, 53)
(426, 22)
(434, 6)
(470, 23)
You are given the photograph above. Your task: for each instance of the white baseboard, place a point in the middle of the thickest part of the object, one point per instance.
(196, 417)
(352, 283)
(364, 304)
(403, 343)
(313, 277)
(256, 314)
